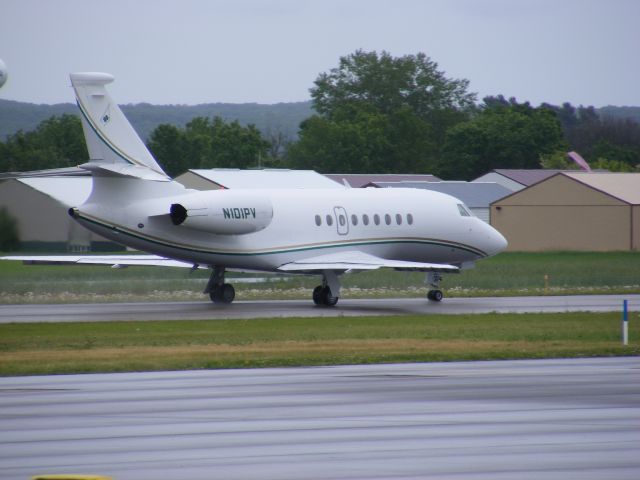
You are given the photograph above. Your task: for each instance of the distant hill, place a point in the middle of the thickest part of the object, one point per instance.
(280, 117)
(621, 112)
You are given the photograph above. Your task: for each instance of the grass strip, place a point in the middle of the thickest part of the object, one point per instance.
(508, 274)
(53, 348)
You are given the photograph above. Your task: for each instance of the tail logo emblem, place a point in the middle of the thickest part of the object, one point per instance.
(106, 116)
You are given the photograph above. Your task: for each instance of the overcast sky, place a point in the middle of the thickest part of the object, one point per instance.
(200, 51)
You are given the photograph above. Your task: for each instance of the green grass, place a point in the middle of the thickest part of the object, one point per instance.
(506, 274)
(27, 349)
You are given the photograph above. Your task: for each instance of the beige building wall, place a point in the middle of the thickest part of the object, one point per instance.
(563, 214)
(43, 219)
(539, 228)
(636, 227)
(39, 217)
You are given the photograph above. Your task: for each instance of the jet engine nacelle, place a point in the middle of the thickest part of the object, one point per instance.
(222, 212)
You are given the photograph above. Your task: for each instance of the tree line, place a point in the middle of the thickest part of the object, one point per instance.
(374, 113)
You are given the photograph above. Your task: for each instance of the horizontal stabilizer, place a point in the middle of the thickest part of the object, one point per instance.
(122, 170)
(355, 260)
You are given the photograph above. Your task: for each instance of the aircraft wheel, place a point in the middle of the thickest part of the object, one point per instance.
(214, 295)
(227, 293)
(327, 299)
(317, 295)
(435, 295)
(224, 294)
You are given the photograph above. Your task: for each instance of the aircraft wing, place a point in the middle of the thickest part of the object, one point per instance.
(113, 260)
(356, 260)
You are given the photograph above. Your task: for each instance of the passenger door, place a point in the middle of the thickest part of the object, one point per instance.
(342, 220)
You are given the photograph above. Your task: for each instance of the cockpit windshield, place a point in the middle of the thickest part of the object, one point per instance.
(464, 211)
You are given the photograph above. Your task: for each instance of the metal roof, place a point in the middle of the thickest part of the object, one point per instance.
(234, 178)
(528, 177)
(623, 186)
(473, 194)
(357, 180)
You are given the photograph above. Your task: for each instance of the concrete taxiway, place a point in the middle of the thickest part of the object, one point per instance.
(569, 419)
(304, 308)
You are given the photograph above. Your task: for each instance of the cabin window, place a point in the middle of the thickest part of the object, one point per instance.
(463, 210)
(354, 219)
(398, 219)
(387, 219)
(318, 220)
(365, 219)
(342, 220)
(409, 219)
(376, 219)
(329, 220)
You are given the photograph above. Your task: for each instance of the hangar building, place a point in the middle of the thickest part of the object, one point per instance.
(516, 179)
(576, 211)
(40, 206)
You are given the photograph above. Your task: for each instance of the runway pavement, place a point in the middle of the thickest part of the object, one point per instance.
(569, 419)
(98, 312)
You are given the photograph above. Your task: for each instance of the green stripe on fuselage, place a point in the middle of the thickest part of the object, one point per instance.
(276, 251)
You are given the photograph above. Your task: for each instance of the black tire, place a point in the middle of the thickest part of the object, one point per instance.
(317, 295)
(435, 295)
(214, 295)
(227, 293)
(224, 294)
(327, 298)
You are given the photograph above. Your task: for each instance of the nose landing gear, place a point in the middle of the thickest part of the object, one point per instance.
(433, 280)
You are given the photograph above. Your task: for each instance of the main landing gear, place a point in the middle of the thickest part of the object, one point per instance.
(218, 291)
(433, 280)
(328, 293)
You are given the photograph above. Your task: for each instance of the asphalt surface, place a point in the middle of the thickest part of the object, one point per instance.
(100, 312)
(552, 419)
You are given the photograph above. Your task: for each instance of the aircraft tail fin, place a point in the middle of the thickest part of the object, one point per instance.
(114, 146)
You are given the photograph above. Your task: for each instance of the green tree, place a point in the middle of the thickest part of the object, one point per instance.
(508, 135)
(207, 143)
(380, 113)
(614, 165)
(558, 161)
(168, 144)
(57, 142)
(233, 145)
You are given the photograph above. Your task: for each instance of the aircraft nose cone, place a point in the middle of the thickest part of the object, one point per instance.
(497, 242)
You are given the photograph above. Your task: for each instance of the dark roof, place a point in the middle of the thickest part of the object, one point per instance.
(473, 194)
(357, 180)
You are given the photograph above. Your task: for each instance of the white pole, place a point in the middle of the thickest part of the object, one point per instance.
(625, 324)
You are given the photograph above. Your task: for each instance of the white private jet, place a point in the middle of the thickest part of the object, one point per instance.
(324, 232)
